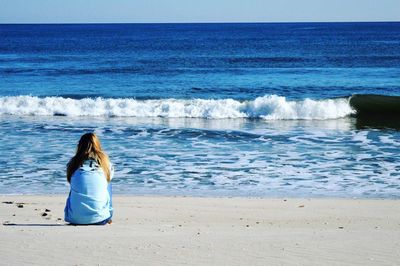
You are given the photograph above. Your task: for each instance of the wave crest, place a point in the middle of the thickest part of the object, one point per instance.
(269, 107)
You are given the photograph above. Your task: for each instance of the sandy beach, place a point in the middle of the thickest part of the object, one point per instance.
(204, 231)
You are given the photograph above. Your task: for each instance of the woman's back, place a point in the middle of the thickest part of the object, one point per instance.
(89, 200)
(90, 197)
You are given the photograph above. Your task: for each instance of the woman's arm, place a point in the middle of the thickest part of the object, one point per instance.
(111, 171)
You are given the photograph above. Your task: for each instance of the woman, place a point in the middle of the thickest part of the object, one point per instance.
(89, 173)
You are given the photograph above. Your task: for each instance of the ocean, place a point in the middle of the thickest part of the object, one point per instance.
(249, 109)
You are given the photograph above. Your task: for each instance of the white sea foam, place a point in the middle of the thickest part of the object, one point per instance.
(158, 159)
(269, 107)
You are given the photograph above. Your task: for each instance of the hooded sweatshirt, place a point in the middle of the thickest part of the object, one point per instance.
(89, 200)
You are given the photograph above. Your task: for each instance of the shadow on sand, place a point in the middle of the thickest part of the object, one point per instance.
(13, 224)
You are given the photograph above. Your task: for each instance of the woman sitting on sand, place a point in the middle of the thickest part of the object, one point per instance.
(89, 173)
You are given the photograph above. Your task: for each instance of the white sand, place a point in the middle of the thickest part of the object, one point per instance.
(205, 231)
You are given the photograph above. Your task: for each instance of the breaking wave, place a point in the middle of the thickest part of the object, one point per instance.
(269, 107)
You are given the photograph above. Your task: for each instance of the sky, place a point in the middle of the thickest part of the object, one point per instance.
(165, 11)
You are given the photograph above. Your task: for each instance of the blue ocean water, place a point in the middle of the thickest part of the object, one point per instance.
(202, 109)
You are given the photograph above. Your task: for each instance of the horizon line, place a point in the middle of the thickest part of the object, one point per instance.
(211, 22)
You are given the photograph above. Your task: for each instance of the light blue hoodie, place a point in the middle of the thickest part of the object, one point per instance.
(89, 200)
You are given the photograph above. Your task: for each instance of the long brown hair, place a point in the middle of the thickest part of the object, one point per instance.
(89, 147)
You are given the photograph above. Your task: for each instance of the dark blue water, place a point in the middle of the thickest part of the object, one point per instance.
(240, 61)
(204, 109)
